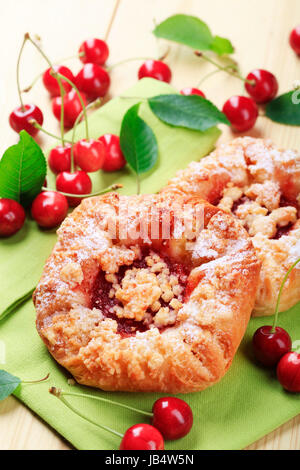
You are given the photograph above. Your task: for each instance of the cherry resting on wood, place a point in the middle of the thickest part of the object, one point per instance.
(12, 217)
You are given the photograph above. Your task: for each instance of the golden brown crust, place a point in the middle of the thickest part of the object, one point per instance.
(260, 185)
(194, 346)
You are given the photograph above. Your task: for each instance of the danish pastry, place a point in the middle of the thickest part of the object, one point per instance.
(134, 299)
(260, 186)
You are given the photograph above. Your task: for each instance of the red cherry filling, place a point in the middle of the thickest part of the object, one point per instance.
(106, 296)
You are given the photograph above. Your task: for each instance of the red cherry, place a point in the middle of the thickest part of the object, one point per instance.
(51, 83)
(241, 111)
(89, 155)
(19, 119)
(94, 51)
(295, 39)
(269, 347)
(74, 183)
(49, 209)
(12, 217)
(93, 80)
(288, 372)
(192, 91)
(265, 85)
(173, 417)
(59, 158)
(155, 69)
(72, 107)
(142, 437)
(114, 159)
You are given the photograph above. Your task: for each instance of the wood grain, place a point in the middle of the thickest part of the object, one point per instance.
(258, 29)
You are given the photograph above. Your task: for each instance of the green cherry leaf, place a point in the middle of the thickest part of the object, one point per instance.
(191, 112)
(285, 109)
(222, 46)
(192, 32)
(8, 384)
(138, 142)
(187, 30)
(22, 170)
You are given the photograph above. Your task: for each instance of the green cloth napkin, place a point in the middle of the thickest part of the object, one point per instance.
(245, 405)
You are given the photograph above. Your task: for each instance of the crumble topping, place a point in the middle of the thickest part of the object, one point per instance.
(261, 208)
(148, 293)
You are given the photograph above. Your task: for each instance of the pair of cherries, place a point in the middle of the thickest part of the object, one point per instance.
(49, 209)
(272, 348)
(242, 111)
(172, 419)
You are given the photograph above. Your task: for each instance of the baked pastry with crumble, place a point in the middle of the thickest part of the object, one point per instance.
(147, 293)
(260, 185)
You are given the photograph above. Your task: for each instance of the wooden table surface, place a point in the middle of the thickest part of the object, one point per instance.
(259, 31)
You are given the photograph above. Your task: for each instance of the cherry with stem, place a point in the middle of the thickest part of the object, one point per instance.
(20, 117)
(139, 437)
(59, 78)
(271, 343)
(172, 416)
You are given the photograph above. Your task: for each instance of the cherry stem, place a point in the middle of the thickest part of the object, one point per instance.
(131, 59)
(59, 80)
(280, 292)
(27, 89)
(58, 394)
(36, 381)
(80, 99)
(106, 400)
(213, 73)
(235, 73)
(113, 187)
(38, 126)
(18, 72)
(93, 104)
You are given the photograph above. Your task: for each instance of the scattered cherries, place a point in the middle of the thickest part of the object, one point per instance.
(49, 209)
(78, 182)
(89, 155)
(269, 346)
(242, 112)
(94, 51)
(295, 39)
(192, 91)
(20, 118)
(93, 80)
(59, 158)
(142, 437)
(72, 107)
(173, 417)
(261, 85)
(12, 217)
(114, 159)
(51, 84)
(155, 69)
